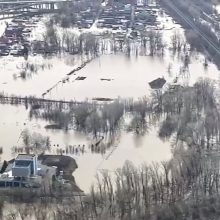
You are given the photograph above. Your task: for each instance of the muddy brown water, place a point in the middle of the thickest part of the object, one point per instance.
(129, 79)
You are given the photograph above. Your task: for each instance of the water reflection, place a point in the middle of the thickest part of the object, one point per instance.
(130, 76)
(15, 120)
(139, 150)
(118, 149)
(40, 73)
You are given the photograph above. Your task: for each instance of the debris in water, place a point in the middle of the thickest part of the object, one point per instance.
(80, 78)
(103, 99)
(103, 79)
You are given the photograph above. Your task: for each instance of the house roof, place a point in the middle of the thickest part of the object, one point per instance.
(25, 156)
(22, 163)
(157, 83)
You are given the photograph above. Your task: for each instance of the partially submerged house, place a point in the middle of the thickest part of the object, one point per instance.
(157, 83)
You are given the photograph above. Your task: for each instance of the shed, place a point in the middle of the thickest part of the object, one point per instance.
(157, 83)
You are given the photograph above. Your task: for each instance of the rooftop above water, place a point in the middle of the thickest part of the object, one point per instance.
(22, 163)
(25, 156)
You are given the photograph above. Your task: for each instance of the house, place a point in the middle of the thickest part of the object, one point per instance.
(32, 171)
(20, 172)
(157, 83)
(25, 166)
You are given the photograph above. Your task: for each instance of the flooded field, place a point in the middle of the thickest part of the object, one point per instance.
(47, 72)
(129, 77)
(127, 146)
(139, 150)
(16, 120)
(107, 76)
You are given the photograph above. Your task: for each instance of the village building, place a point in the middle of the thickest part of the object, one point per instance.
(24, 171)
(25, 166)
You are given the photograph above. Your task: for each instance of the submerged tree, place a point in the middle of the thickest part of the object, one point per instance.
(33, 143)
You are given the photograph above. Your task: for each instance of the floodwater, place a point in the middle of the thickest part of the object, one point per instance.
(48, 71)
(128, 77)
(15, 120)
(128, 146)
(138, 150)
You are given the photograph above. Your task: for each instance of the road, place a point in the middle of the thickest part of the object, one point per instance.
(212, 44)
